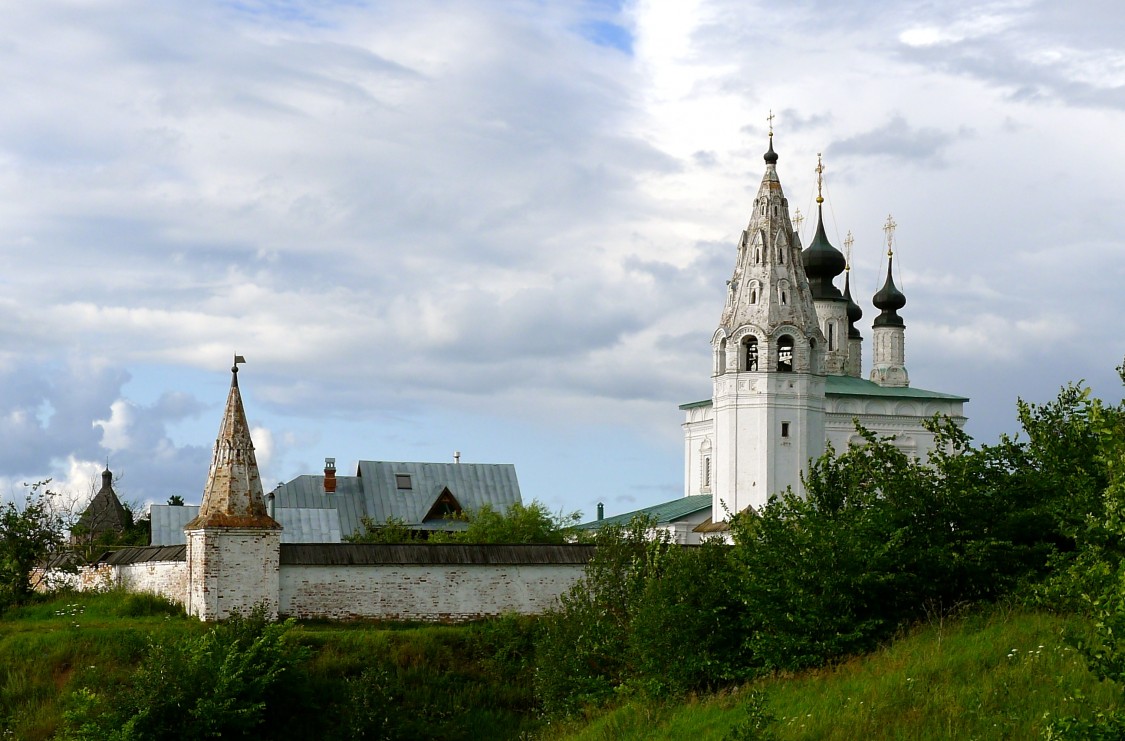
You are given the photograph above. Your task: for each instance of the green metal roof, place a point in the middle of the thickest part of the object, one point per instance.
(851, 386)
(662, 513)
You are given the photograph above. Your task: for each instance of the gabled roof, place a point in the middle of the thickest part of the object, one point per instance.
(664, 513)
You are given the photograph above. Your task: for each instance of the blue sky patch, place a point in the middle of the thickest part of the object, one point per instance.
(604, 33)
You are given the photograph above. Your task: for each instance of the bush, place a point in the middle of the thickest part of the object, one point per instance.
(219, 683)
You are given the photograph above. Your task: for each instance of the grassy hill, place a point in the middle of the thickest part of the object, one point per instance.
(1003, 675)
(1000, 676)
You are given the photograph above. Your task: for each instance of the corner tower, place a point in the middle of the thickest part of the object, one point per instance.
(233, 545)
(768, 396)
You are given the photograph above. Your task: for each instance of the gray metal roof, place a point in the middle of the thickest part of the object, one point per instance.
(167, 523)
(309, 515)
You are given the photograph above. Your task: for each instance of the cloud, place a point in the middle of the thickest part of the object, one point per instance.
(898, 140)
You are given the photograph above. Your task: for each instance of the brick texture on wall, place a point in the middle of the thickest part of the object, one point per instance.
(417, 592)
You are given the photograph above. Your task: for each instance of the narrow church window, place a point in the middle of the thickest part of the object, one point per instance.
(722, 359)
(831, 336)
(785, 354)
(751, 344)
(785, 429)
(781, 255)
(784, 297)
(402, 481)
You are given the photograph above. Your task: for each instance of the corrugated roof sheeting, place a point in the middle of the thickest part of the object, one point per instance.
(308, 525)
(346, 554)
(168, 523)
(145, 554)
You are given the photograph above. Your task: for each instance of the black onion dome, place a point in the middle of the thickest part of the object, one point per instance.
(889, 300)
(770, 156)
(822, 262)
(855, 313)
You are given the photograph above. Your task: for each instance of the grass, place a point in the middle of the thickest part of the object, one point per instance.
(439, 682)
(998, 676)
(1002, 675)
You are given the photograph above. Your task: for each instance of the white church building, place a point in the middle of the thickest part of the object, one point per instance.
(787, 376)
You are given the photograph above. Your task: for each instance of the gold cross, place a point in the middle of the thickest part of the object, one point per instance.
(819, 179)
(889, 228)
(769, 119)
(848, 242)
(798, 219)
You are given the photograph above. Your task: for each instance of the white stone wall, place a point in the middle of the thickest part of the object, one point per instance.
(169, 579)
(900, 418)
(86, 579)
(699, 433)
(431, 592)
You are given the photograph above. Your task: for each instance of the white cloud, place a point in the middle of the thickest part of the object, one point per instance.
(115, 429)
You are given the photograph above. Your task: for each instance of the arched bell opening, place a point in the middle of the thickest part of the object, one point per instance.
(750, 353)
(785, 354)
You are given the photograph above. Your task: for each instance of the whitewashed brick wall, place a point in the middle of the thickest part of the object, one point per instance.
(166, 578)
(431, 592)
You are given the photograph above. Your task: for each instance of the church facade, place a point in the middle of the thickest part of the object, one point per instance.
(787, 372)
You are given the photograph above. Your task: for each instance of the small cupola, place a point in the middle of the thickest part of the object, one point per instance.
(889, 299)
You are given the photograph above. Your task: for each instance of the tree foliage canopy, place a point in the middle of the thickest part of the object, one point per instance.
(878, 541)
(30, 533)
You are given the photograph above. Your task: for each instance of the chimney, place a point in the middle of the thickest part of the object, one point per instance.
(456, 456)
(601, 511)
(329, 475)
(272, 497)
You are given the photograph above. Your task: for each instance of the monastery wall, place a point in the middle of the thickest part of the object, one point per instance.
(444, 583)
(169, 579)
(437, 592)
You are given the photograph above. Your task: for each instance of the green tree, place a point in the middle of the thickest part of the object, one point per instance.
(393, 530)
(30, 533)
(519, 523)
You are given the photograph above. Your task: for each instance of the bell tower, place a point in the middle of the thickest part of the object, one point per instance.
(769, 354)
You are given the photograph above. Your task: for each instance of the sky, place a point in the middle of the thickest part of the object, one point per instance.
(505, 228)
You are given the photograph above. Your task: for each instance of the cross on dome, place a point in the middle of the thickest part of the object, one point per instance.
(889, 229)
